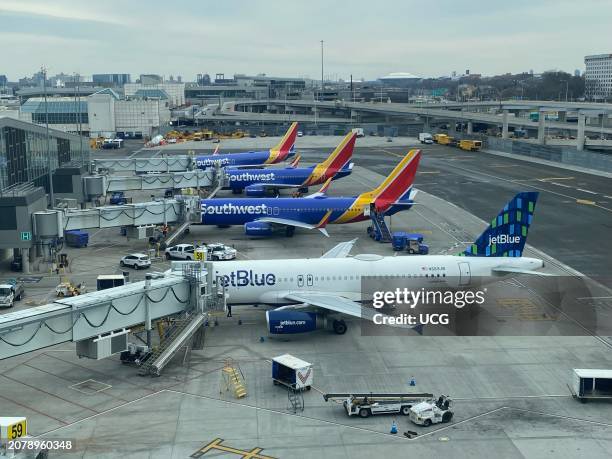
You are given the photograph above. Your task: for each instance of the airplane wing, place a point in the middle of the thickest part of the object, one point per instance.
(502, 270)
(297, 223)
(335, 303)
(330, 302)
(276, 186)
(341, 250)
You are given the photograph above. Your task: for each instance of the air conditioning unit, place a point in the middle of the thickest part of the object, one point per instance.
(103, 346)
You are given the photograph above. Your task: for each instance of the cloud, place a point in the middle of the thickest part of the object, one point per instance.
(283, 38)
(58, 10)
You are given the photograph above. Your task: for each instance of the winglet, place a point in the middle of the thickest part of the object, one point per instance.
(216, 152)
(325, 186)
(293, 164)
(323, 223)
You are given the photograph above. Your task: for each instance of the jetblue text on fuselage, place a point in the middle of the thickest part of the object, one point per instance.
(504, 239)
(233, 209)
(247, 176)
(242, 278)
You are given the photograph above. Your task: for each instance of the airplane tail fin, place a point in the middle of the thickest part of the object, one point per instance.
(287, 143)
(507, 233)
(341, 156)
(398, 185)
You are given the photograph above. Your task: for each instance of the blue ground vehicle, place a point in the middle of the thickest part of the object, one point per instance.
(410, 242)
(118, 198)
(76, 238)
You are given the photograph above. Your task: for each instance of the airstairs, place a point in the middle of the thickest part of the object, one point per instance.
(232, 379)
(380, 228)
(177, 336)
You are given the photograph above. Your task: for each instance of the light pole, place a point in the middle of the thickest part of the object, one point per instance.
(49, 162)
(321, 65)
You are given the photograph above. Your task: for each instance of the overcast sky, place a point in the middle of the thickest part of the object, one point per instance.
(367, 39)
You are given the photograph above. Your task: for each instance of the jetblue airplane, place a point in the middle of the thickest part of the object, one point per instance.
(283, 150)
(258, 182)
(262, 216)
(307, 291)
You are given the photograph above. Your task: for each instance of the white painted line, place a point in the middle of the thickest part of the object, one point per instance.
(586, 191)
(560, 184)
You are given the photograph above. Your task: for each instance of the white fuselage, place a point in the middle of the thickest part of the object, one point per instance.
(267, 281)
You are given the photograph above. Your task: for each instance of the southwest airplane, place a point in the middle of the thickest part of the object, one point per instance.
(261, 216)
(309, 290)
(280, 152)
(258, 182)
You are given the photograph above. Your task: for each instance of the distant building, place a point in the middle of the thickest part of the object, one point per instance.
(203, 79)
(63, 113)
(598, 76)
(3, 80)
(175, 91)
(151, 79)
(110, 115)
(277, 87)
(399, 79)
(212, 93)
(116, 79)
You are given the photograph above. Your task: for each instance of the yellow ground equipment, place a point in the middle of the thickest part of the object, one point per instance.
(445, 140)
(437, 137)
(232, 379)
(67, 289)
(470, 145)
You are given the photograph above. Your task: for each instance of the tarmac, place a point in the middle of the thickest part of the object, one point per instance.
(510, 394)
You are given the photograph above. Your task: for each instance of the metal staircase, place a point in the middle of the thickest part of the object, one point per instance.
(176, 337)
(233, 379)
(382, 232)
(295, 400)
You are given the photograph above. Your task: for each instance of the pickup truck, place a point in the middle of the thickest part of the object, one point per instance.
(10, 291)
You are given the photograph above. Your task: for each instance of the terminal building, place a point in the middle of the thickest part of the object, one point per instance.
(104, 113)
(26, 155)
(598, 77)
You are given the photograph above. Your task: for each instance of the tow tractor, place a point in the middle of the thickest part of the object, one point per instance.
(367, 404)
(432, 411)
(410, 242)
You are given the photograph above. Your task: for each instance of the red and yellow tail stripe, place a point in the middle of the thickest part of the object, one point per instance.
(281, 150)
(334, 162)
(388, 192)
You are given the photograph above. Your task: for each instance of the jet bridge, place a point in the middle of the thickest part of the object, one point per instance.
(52, 223)
(198, 178)
(143, 165)
(105, 314)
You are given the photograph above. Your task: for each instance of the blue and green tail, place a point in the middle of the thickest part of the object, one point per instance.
(507, 233)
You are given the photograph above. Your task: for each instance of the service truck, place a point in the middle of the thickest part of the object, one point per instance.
(470, 145)
(367, 404)
(425, 137)
(10, 291)
(358, 131)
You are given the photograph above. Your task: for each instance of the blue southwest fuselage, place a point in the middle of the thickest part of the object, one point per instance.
(306, 210)
(239, 179)
(249, 158)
